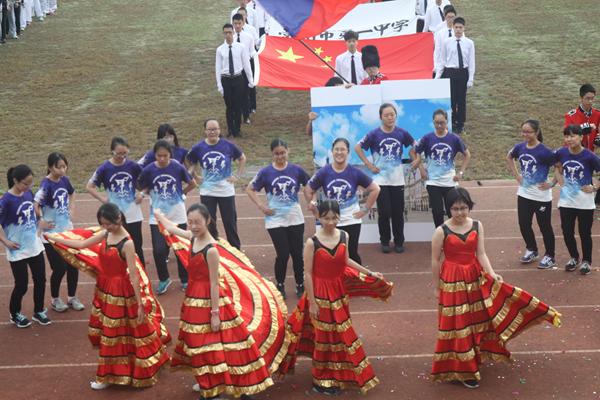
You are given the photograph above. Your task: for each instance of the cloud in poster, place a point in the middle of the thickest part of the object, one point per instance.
(441, 101)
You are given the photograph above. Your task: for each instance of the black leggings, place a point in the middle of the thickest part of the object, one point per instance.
(543, 214)
(288, 241)
(38, 273)
(585, 219)
(159, 250)
(437, 195)
(135, 231)
(390, 204)
(59, 267)
(354, 233)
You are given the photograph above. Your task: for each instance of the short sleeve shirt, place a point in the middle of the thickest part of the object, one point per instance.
(215, 161)
(119, 181)
(535, 164)
(17, 217)
(179, 154)
(577, 172)
(439, 155)
(282, 187)
(166, 190)
(341, 187)
(386, 150)
(53, 197)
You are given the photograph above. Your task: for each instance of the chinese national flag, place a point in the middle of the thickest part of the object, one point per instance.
(285, 63)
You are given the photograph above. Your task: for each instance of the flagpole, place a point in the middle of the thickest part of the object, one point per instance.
(325, 62)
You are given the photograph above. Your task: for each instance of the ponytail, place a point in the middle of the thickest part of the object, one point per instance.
(19, 173)
(212, 224)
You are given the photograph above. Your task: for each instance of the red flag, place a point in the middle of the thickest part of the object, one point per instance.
(285, 63)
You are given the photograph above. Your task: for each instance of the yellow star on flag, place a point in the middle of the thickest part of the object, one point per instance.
(288, 55)
(328, 59)
(319, 50)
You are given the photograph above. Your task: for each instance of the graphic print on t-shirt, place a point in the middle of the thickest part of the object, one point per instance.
(283, 196)
(21, 227)
(121, 190)
(341, 191)
(215, 168)
(574, 176)
(58, 211)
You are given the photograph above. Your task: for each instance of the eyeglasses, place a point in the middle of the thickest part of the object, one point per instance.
(27, 184)
(121, 154)
(527, 132)
(212, 129)
(462, 209)
(342, 150)
(279, 154)
(589, 98)
(328, 219)
(440, 123)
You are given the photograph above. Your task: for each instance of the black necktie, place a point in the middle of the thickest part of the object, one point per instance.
(460, 57)
(441, 13)
(239, 38)
(449, 32)
(231, 70)
(425, 8)
(254, 6)
(353, 71)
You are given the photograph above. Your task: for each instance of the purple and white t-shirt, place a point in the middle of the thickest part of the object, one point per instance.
(386, 150)
(215, 161)
(17, 217)
(53, 197)
(166, 191)
(119, 181)
(341, 187)
(577, 172)
(178, 155)
(535, 164)
(282, 189)
(439, 155)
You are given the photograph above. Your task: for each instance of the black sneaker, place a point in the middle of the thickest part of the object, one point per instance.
(471, 383)
(19, 320)
(585, 268)
(281, 288)
(572, 264)
(41, 318)
(332, 391)
(399, 249)
(300, 290)
(385, 248)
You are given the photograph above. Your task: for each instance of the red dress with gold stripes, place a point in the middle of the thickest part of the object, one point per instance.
(338, 357)
(477, 315)
(228, 360)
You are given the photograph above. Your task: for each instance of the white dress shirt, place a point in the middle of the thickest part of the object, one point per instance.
(251, 17)
(343, 63)
(432, 16)
(261, 14)
(241, 62)
(438, 41)
(253, 32)
(247, 40)
(439, 26)
(449, 56)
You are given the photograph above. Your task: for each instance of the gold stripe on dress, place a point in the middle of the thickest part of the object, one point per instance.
(205, 328)
(338, 346)
(132, 359)
(204, 303)
(461, 309)
(339, 366)
(333, 305)
(127, 339)
(116, 300)
(204, 369)
(371, 383)
(455, 376)
(332, 327)
(453, 287)
(238, 390)
(463, 333)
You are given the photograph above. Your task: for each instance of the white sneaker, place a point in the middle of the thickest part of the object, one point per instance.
(196, 387)
(58, 305)
(75, 304)
(99, 386)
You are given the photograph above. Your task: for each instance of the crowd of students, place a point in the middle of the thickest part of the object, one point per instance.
(18, 14)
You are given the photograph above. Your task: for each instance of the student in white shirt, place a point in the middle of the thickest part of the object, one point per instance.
(248, 41)
(443, 24)
(251, 14)
(460, 69)
(252, 92)
(263, 17)
(434, 14)
(443, 34)
(249, 28)
(343, 62)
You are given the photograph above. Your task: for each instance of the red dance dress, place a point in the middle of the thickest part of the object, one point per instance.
(336, 351)
(477, 315)
(130, 353)
(229, 360)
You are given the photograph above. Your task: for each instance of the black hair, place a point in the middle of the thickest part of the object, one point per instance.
(203, 210)
(212, 119)
(341, 139)
(278, 142)
(458, 195)
(111, 212)
(587, 88)
(334, 81)
(163, 144)
(535, 125)
(238, 17)
(459, 20)
(350, 35)
(163, 130)
(54, 158)
(384, 106)
(19, 173)
(441, 111)
(449, 9)
(118, 141)
(242, 8)
(227, 26)
(329, 205)
(573, 129)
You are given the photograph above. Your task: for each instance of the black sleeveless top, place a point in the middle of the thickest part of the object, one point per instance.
(461, 236)
(118, 246)
(332, 252)
(203, 251)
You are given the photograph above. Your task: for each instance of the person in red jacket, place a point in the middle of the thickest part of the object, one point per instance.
(586, 116)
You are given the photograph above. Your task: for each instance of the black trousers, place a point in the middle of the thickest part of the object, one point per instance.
(228, 214)
(4, 23)
(288, 241)
(159, 250)
(59, 267)
(420, 25)
(390, 204)
(354, 233)
(458, 94)
(38, 273)
(233, 94)
(437, 194)
(526, 208)
(18, 19)
(585, 219)
(261, 31)
(135, 231)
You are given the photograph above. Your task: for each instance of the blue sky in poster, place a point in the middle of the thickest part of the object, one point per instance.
(353, 122)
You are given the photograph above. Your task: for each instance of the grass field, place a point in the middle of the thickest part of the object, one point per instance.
(96, 69)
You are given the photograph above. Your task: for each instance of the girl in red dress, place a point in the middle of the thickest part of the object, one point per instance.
(478, 312)
(214, 343)
(320, 326)
(127, 330)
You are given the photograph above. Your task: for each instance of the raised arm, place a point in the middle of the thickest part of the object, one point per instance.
(171, 227)
(77, 244)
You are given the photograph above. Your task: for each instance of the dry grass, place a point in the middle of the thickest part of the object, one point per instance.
(100, 69)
